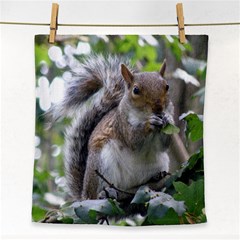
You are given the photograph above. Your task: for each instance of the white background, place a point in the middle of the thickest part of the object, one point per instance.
(221, 111)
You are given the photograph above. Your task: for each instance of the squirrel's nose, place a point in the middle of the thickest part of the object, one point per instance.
(157, 110)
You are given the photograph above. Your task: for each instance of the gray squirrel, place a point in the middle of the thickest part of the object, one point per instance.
(117, 116)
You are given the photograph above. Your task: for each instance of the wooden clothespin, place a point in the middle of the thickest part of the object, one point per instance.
(54, 23)
(180, 19)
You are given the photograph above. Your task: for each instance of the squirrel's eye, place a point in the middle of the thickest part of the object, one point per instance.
(167, 87)
(136, 90)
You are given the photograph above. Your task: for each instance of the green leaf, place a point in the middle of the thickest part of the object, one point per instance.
(38, 213)
(195, 158)
(176, 48)
(168, 201)
(159, 207)
(41, 54)
(174, 176)
(192, 195)
(190, 170)
(142, 195)
(170, 217)
(170, 129)
(151, 66)
(115, 207)
(194, 130)
(89, 210)
(68, 210)
(147, 52)
(66, 220)
(156, 211)
(202, 218)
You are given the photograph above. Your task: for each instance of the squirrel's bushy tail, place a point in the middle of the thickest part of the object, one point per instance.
(96, 88)
(93, 74)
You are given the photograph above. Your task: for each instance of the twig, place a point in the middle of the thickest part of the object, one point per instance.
(111, 184)
(160, 176)
(103, 219)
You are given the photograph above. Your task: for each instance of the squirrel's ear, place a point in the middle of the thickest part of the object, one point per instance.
(127, 75)
(163, 68)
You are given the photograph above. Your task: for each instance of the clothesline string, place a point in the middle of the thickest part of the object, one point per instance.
(121, 25)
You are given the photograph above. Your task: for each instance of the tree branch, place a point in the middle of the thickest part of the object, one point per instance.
(111, 184)
(179, 149)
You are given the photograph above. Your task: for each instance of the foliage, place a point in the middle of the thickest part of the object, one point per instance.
(180, 201)
(90, 211)
(170, 129)
(194, 130)
(182, 198)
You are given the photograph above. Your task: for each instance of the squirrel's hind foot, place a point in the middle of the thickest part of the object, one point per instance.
(108, 192)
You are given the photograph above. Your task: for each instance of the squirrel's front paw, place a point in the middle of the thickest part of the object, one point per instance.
(166, 119)
(108, 192)
(158, 121)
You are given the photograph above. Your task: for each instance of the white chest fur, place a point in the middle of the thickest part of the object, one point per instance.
(126, 168)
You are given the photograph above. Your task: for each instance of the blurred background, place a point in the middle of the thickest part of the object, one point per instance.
(186, 74)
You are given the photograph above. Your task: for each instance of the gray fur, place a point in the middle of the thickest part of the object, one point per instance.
(87, 107)
(134, 155)
(94, 69)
